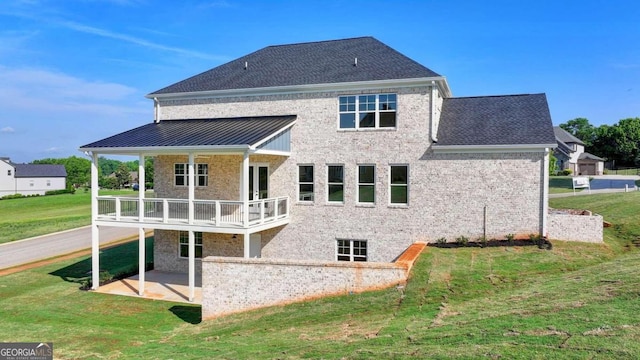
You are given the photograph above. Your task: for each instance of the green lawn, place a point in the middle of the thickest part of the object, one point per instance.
(574, 301)
(33, 216)
(561, 184)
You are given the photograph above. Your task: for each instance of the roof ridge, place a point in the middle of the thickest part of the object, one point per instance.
(491, 96)
(321, 41)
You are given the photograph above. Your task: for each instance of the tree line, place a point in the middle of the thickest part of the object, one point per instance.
(79, 171)
(618, 144)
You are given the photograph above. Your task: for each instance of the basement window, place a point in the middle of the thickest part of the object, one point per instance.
(351, 250)
(184, 244)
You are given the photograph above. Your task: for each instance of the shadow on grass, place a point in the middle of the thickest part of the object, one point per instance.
(190, 314)
(115, 261)
(541, 243)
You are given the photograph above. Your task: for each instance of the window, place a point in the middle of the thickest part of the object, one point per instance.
(367, 111)
(184, 244)
(31, 183)
(335, 183)
(399, 184)
(366, 184)
(352, 250)
(305, 183)
(8, 172)
(182, 177)
(48, 182)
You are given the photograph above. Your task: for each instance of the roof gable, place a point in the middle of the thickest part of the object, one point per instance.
(39, 170)
(496, 120)
(323, 62)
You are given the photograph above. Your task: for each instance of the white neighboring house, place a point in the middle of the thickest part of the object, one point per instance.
(571, 155)
(30, 179)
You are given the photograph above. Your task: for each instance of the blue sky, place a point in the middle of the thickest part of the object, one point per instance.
(76, 71)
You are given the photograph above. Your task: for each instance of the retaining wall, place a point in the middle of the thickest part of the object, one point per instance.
(585, 228)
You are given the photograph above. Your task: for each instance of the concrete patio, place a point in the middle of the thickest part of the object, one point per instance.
(158, 286)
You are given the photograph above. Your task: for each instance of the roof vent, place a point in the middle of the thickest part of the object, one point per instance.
(246, 65)
(355, 62)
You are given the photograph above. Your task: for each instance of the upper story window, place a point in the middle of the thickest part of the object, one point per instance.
(181, 176)
(305, 183)
(366, 184)
(399, 185)
(367, 111)
(8, 172)
(335, 183)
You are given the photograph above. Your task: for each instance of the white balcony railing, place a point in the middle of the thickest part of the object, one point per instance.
(219, 213)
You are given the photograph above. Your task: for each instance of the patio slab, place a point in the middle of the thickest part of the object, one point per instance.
(158, 286)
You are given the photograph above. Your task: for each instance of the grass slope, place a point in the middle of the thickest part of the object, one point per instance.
(572, 302)
(33, 216)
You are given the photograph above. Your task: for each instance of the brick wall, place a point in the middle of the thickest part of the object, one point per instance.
(447, 192)
(584, 228)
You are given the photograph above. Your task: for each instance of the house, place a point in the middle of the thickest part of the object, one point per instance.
(341, 150)
(571, 155)
(30, 179)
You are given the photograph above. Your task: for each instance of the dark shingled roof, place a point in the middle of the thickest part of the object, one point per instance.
(496, 120)
(197, 132)
(588, 156)
(565, 136)
(39, 170)
(323, 62)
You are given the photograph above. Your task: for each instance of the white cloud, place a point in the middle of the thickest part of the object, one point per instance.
(54, 150)
(7, 129)
(48, 91)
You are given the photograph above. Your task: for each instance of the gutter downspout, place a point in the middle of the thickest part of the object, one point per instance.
(545, 192)
(156, 108)
(434, 135)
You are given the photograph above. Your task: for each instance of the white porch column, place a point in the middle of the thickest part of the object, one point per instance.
(142, 259)
(192, 265)
(244, 189)
(95, 232)
(545, 192)
(192, 186)
(245, 203)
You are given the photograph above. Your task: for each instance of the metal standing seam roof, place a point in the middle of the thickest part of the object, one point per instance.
(323, 62)
(197, 132)
(39, 170)
(496, 120)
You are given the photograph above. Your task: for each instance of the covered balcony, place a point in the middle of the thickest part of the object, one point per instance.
(247, 209)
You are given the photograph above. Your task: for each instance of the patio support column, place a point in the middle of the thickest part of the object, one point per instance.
(142, 258)
(244, 186)
(192, 265)
(545, 192)
(95, 232)
(192, 186)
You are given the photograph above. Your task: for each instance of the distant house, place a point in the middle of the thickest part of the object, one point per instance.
(133, 178)
(30, 179)
(571, 155)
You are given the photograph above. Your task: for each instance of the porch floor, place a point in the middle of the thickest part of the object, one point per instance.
(158, 285)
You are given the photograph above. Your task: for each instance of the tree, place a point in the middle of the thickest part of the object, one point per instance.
(580, 128)
(122, 175)
(78, 169)
(553, 164)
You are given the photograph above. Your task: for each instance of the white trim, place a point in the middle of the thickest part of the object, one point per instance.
(399, 205)
(256, 176)
(490, 148)
(160, 150)
(310, 88)
(545, 192)
(375, 173)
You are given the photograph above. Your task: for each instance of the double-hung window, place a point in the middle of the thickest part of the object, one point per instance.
(399, 185)
(367, 111)
(366, 184)
(181, 174)
(184, 244)
(335, 183)
(352, 250)
(305, 183)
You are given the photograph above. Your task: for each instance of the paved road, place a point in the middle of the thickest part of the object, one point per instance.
(46, 246)
(606, 184)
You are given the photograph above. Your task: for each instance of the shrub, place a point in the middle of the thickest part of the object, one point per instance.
(60, 192)
(567, 172)
(148, 185)
(12, 196)
(510, 238)
(462, 240)
(482, 240)
(442, 240)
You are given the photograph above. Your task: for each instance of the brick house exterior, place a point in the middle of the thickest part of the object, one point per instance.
(372, 154)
